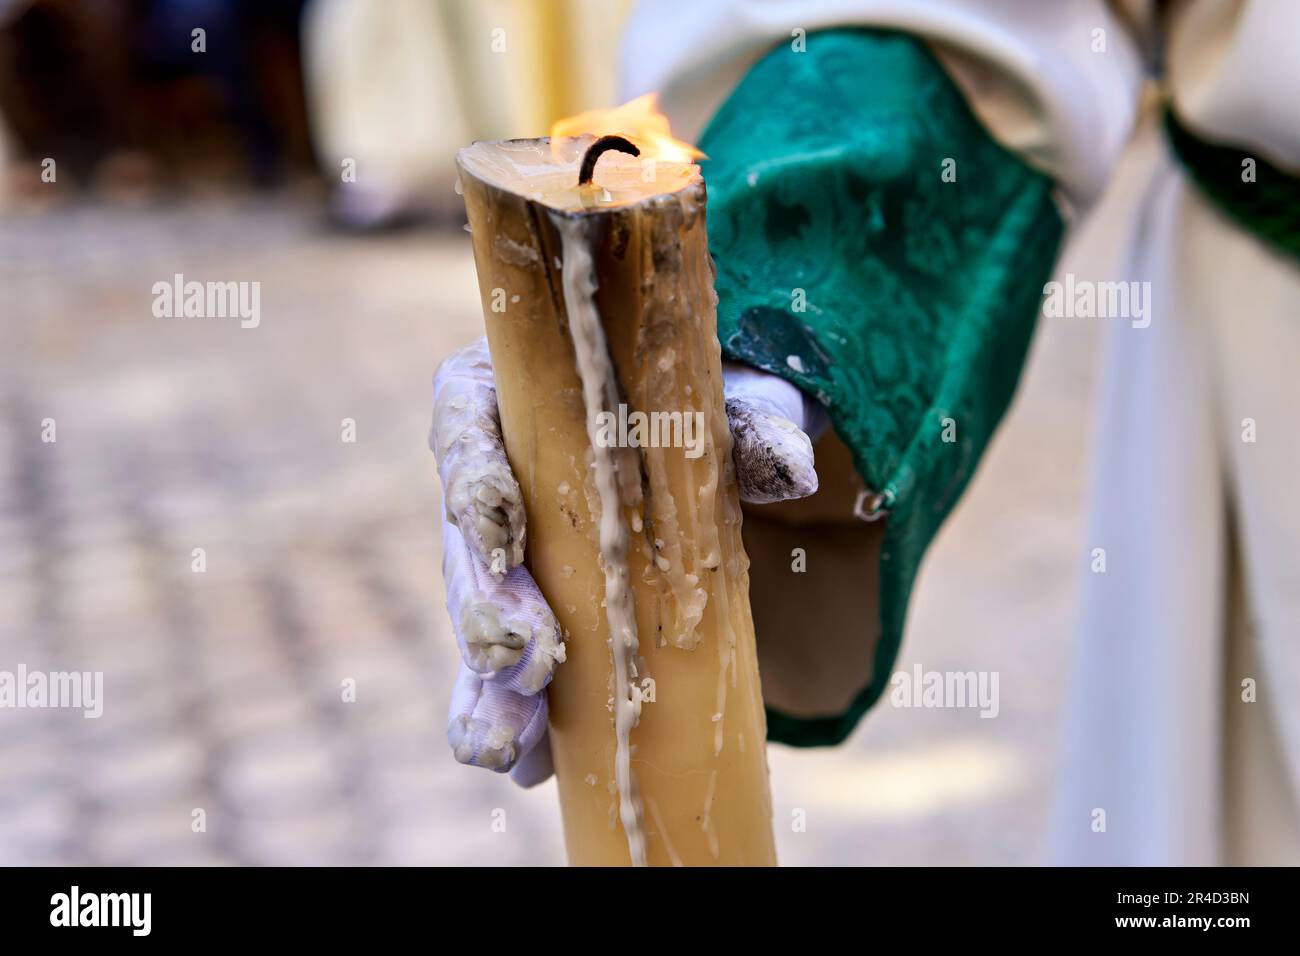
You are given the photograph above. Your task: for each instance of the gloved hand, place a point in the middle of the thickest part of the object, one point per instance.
(509, 639)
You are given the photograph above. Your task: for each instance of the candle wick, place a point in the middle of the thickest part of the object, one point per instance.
(594, 151)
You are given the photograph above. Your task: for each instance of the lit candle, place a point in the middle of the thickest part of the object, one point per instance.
(600, 312)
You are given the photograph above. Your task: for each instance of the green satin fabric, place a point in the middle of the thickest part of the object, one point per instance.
(825, 180)
(1267, 206)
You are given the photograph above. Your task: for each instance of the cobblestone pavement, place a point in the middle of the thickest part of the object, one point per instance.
(223, 690)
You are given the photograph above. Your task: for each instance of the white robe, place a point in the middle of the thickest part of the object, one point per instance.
(1200, 528)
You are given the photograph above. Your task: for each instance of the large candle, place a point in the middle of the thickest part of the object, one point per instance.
(601, 321)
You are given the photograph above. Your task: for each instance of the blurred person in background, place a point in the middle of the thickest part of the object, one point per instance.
(911, 166)
(395, 88)
(130, 95)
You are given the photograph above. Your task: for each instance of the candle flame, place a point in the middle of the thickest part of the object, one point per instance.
(639, 120)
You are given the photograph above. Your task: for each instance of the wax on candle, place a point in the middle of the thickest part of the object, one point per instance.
(609, 300)
(549, 176)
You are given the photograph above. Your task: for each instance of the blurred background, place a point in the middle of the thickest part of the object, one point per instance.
(308, 145)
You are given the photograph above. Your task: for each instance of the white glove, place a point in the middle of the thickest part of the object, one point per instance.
(509, 640)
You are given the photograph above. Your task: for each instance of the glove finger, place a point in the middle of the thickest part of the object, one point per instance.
(506, 631)
(773, 454)
(490, 726)
(479, 489)
(535, 766)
